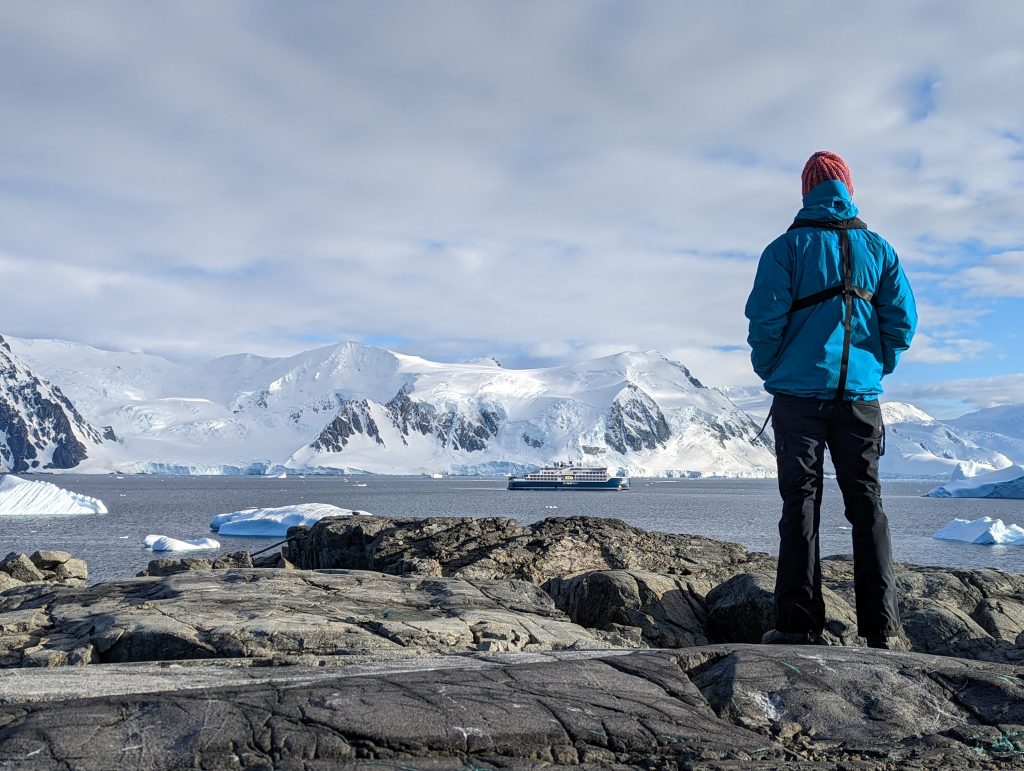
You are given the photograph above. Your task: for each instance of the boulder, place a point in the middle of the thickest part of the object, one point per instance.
(496, 548)
(741, 610)
(1001, 617)
(167, 566)
(71, 570)
(235, 559)
(274, 560)
(20, 568)
(667, 611)
(7, 582)
(49, 559)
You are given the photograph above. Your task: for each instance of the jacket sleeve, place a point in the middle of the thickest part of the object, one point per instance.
(768, 306)
(897, 311)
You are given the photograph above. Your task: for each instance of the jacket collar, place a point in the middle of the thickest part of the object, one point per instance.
(828, 201)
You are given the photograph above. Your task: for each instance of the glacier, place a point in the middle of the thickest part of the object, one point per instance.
(23, 497)
(276, 521)
(982, 531)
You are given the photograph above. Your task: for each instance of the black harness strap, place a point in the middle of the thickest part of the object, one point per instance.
(846, 290)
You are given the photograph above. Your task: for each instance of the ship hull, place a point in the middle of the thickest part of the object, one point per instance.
(615, 483)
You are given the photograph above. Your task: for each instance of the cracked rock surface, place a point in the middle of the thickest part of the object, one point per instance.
(461, 643)
(714, 707)
(274, 613)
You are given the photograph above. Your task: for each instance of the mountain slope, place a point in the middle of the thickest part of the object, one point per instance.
(358, 407)
(39, 427)
(918, 446)
(353, 407)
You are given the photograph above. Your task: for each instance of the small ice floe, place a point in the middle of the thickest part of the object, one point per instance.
(166, 543)
(984, 531)
(276, 521)
(550, 507)
(1003, 483)
(19, 496)
(359, 484)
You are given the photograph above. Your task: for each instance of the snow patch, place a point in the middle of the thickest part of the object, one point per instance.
(166, 543)
(769, 704)
(20, 496)
(983, 531)
(276, 521)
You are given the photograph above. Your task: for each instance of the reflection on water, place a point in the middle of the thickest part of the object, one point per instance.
(745, 511)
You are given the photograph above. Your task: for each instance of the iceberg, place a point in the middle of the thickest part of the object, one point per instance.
(1004, 483)
(276, 521)
(984, 531)
(166, 543)
(20, 496)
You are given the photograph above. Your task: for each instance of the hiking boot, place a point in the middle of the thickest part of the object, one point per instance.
(775, 637)
(884, 643)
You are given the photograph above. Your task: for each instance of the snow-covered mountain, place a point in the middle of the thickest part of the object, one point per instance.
(39, 427)
(356, 407)
(1001, 428)
(919, 446)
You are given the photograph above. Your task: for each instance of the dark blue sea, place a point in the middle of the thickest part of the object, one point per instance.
(745, 511)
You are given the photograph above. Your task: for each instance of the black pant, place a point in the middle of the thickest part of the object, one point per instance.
(853, 432)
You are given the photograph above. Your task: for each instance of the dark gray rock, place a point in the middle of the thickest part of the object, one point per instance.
(353, 418)
(718, 707)
(272, 560)
(72, 570)
(277, 614)
(668, 611)
(48, 559)
(167, 566)
(20, 568)
(467, 430)
(234, 559)
(967, 613)
(740, 610)
(495, 548)
(635, 422)
(37, 420)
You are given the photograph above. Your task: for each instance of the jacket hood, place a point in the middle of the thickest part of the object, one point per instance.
(828, 201)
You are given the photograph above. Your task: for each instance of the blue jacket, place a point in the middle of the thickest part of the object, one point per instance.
(799, 354)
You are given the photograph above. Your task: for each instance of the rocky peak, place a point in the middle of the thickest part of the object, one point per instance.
(353, 418)
(39, 427)
(635, 422)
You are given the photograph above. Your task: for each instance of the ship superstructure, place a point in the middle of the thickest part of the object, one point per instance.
(566, 476)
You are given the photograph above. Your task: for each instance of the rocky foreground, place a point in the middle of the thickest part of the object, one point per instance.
(481, 643)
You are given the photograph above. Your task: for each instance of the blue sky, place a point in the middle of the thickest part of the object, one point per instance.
(541, 182)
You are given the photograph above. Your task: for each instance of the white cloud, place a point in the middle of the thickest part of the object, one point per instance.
(477, 177)
(953, 398)
(1001, 275)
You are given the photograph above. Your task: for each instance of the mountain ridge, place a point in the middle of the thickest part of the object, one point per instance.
(353, 407)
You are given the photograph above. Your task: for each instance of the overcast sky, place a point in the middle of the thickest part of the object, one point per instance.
(537, 181)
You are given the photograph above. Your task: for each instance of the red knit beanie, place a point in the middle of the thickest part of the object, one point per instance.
(823, 166)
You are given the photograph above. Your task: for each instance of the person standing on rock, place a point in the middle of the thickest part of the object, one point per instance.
(830, 312)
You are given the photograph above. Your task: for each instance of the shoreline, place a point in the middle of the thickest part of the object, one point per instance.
(443, 642)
